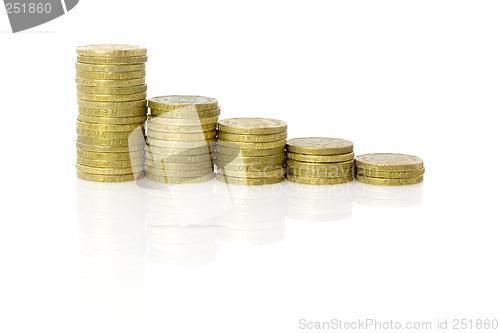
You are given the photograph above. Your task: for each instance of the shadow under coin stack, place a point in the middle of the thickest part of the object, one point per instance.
(389, 169)
(320, 161)
(251, 151)
(112, 111)
(181, 133)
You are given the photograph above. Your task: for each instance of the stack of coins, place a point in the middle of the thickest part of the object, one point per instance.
(112, 111)
(181, 133)
(320, 161)
(251, 151)
(389, 169)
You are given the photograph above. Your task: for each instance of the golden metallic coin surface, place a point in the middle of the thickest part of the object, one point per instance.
(111, 75)
(182, 136)
(180, 144)
(252, 174)
(319, 181)
(178, 151)
(319, 146)
(389, 182)
(252, 126)
(110, 68)
(111, 98)
(181, 129)
(112, 120)
(252, 138)
(111, 83)
(186, 166)
(320, 166)
(181, 180)
(339, 173)
(161, 120)
(109, 163)
(110, 178)
(177, 173)
(111, 50)
(251, 159)
(114, 112)
(389, 162)
(109, 142)
(109, 171)
(320, 158)
(109, 149)
(111, 105)
(111, 61)
(248, 167)
(107, 127)
(249, 181)
(176, 114)
(111, 156)
(184, 102)
(249, 152)
(389, 174)
(107, 135)
(112, 91)
(178, 158)
(251, 145)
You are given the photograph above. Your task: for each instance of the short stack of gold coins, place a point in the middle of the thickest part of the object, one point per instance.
(111, 94)
(181, 134)
(320, 161)
(251, 151)
(389, 169)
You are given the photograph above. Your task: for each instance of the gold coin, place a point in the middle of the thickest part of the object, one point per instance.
(180, 144)
(108, 135)
(181, 180)
(108, 128)
(112, 120)
(389, 162)
(251, 159)
(114, 113)
(319, 146)
(251, 145)
(108, 142)
(252, 138)
(339, 173)
(108, 163)
(111, 105)
(111, 156)
(248, 167)
(109, 149)
(181, 129)
(161, 120)
(109, 171)
(183, 102)
(182, 136)
(179, 151)
(185, 166)
(320, 158)
(112, 91)
(319, 181)
(111, 50)
(110, 76)
(249, 181)
(389, 182)
(110, 178)
(111, 83)
(252, 174)
(111, 98)
(175, 114)
(178, 158)
(249, 152)
(388, 174)
(110, 68)
(111, 61)
(252, 126)
(177, 173)
(320, 166)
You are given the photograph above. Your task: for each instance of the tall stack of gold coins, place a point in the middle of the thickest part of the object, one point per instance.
(389, 169)
(181, 133)
(251, 151)
(112, 111)
(320, 161)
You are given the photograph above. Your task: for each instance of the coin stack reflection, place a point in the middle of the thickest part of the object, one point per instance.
(181, 230)
(181, 133)
(320, 161)
(111, 94)
(319, 203)
(256, 217)
(251, 151)
(112, 245)
(388, 196)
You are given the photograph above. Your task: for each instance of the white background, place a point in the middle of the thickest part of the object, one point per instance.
(414, 77)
